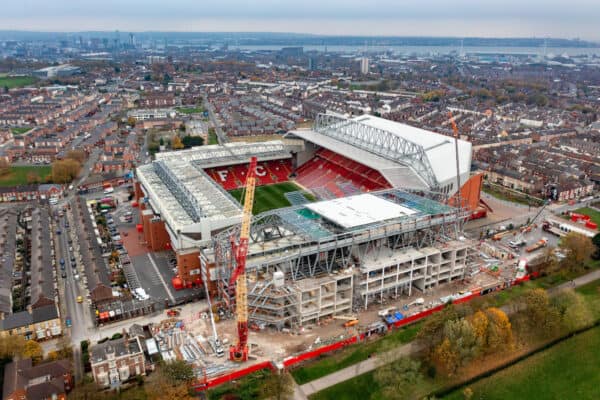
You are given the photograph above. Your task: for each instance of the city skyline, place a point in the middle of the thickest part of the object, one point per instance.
(383, 17)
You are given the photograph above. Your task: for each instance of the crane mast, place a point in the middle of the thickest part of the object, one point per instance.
(239, 351)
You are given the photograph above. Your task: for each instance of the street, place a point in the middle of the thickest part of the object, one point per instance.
(220, 134)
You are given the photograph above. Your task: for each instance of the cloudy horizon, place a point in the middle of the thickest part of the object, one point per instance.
(463, 18)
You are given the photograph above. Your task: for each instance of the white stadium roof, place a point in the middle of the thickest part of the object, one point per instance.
(439, 148)
(406, 156)
(359, 210)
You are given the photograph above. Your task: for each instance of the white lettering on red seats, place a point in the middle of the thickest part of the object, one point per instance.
(260, 170)
(223, 175)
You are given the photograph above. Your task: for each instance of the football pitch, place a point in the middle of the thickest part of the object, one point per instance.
(270, 197)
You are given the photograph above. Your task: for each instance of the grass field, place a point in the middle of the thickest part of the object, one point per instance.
(353, 355)
(594, 215)
(569, 370)
(269, 197)
(19, 131)
(16, 81)
(18, 175)
(212, 137)
(190, 110)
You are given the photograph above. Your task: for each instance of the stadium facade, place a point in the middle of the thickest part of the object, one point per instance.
(382, 226)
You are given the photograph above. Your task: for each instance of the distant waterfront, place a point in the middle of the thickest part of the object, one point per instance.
(429, 50)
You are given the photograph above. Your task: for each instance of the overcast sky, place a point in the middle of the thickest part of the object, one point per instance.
(461, 18)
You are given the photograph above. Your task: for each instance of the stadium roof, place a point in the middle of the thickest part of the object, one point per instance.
(363, 209)
(184, 195)
(228, 154)
(396, 174)
(439, 148)
(406, 156)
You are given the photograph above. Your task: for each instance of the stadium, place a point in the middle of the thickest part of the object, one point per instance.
(347, 213)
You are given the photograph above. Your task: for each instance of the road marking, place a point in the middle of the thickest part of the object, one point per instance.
(161, 278)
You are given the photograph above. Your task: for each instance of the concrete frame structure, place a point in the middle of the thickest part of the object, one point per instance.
(330, 270)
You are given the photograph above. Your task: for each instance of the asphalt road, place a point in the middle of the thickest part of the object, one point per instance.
(211, 113)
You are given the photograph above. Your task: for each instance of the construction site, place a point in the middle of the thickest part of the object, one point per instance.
(373, 239)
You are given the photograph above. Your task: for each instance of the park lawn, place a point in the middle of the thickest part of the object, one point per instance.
(18, 175)
(16, 81)
(591, 294)
(190, 110)
(268, 197)
(353, 354)
(568, 370)
(594, 215)
(212, 137)
(19, 131)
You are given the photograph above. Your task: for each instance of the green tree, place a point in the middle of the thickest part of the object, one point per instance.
(398, 379)
(572, 309)
(191, 141)
(278, 386)
(596, 243)
(463, 341)
(578, 249)
(432, 331)
(177, 371)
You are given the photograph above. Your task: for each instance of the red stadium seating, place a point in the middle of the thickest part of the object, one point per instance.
(339, 175)
(267, 172)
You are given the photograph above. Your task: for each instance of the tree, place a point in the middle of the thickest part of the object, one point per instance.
(572, 309)
(64, 171)
(33, 350)
(467, 393)
(77, 155)
(432, 331)
(578, 249)
(398, 378)
(278, 386)
(177, 371)
(191, 141)
(445, 357)
(172, 381)
(463, 341)
(479, 321)
(131, 121)
(176, 143)
(499, 337)
(161, 141)
(12, 346)
(542, 319)
(596, 242)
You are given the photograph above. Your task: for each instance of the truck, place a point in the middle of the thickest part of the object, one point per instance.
(543, 242)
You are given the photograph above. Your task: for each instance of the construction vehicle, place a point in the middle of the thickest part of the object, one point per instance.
(239, 247)
(416, 302)
(519, 241)
(173, 313)
(350, 323)
(543, 242)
